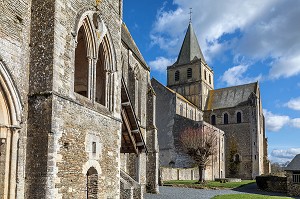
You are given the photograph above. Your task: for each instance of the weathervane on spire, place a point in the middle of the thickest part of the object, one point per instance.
(191, 14)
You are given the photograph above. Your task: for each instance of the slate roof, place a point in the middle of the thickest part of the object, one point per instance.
(128, 40)
(230, 96)
(190, 48)
(294, 164)
(172, 91)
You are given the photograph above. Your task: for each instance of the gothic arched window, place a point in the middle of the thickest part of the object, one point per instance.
(81, 64)
(239, 117)
(225, 118)
(213, 119)
(102, 65)
(177, 75)
(189, 73)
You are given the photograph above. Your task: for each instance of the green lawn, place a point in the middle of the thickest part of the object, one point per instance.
(208, 184)
(246, 196)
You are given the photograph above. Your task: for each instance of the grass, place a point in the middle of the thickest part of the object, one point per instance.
(246, 196)
(208, 184)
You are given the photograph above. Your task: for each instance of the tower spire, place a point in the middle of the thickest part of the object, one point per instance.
(191, 15)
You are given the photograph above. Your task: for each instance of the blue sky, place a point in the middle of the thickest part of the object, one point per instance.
(243, 41)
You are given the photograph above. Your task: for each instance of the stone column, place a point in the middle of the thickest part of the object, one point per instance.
(152, 144)
(13, 164)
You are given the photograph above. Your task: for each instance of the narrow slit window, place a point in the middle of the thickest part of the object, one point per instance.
(177, 75)
(94, 147)
(189, 73)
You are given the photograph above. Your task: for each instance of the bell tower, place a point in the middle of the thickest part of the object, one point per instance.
(190, 75)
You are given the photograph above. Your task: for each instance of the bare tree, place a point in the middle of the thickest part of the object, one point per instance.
(200, 144)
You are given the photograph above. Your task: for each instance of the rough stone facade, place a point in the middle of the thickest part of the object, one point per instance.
(62, 114)
(293, 188)
(238, 112)
(171, 122)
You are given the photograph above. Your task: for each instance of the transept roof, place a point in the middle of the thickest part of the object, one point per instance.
(231, 96)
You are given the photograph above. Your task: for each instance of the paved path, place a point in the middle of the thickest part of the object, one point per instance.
(188, 193)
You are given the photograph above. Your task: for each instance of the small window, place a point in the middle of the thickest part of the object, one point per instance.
(94, 147)
(255, 157)
(236, 158)
(205, 74)
(209, 79)
(213, 119)
(239, 117)
(254, 143)
(177, 75)
(189, 73)
(296, 177)
(225, 117)
(191, 114)
(181, 109)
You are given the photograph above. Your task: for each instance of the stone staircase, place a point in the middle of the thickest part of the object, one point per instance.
(130, 189)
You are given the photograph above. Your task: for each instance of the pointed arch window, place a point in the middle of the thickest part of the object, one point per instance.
(94, 63)
(104, 59)
(81, 64)
(189, 73)
(225, 118)
(238, 117)
(213, 119)
(177, 75)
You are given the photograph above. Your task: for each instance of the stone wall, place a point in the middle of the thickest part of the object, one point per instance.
(14, 63)
(293, 189)
(272, 183)
(241, 138)
(167, 173)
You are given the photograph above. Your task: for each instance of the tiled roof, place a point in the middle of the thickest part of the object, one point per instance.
(294, 164)
(230, 96)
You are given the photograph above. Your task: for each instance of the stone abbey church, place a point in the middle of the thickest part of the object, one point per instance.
(234, 113)
(77, 115)
(78, 109)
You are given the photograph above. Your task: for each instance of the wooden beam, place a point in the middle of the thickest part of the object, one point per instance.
(128, 126)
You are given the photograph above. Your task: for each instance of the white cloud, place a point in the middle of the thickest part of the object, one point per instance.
(294, 104)
(286, 154)
(275, 122)
(286, 67)
(235, 76)
(262, 27)
(160, 64)
(295, 122)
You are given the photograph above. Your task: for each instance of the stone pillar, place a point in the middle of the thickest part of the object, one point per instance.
(152, 144)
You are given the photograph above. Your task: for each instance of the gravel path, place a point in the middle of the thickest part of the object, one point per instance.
(188, 193)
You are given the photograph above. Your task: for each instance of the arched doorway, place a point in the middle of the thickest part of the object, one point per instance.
(92, 183)
(10, 107)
